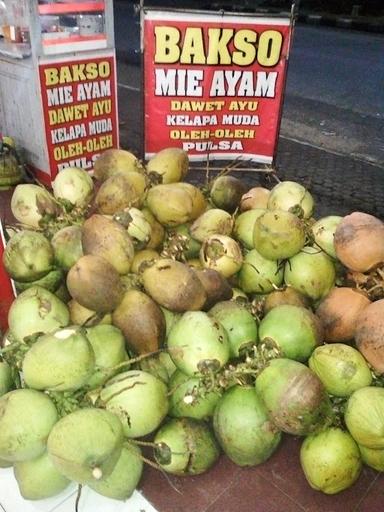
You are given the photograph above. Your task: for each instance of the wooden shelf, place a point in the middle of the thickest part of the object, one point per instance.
(61, 8)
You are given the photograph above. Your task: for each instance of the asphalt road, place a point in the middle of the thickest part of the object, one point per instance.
(334, 96)
(335, 93)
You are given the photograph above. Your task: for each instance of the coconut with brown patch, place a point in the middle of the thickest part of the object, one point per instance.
(95, 284)
(339, 312)
(141, 321)
(107, 238)
(369, 334)
(121, 191)
(174, 285)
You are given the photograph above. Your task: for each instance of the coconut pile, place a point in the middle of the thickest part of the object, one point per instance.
(156, 320)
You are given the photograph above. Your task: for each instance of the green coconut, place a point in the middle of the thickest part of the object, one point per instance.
(198, 342)
(293, 330)
(330, 460)
(372, 458)
(293, 197)
(278, 234)
(38, 478)
(138, 398)
(74, 185)
(186, 446)
(36, 310)
(126, 474)
(239, 324)
(28, 256)
(221, 253)
(61, 361)
(213, 221)
(244, 225)
(364, 416)
(341, 368)
(86, 444)
(30, 203)
(170, 164)
(171, 204)
(311, 272)
(108, 344)
(67, 246)
(26, 418)
(294, 396)
(259, 274)
(186, 401)
(243, 428)
(324, 233)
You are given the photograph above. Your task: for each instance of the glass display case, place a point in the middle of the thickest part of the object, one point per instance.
(72, 26)
(14, 29)
(53, 27)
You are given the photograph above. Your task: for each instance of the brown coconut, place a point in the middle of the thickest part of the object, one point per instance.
(288, 296)
(113, 161)
(157, 230)
(256, 197)
(216, 287)
(80, 315)
(95, 284)
(359, 241)
(120, 191)
(174, 285)
(107, 238)
(369, 334)
(339, 312)
(141, 321)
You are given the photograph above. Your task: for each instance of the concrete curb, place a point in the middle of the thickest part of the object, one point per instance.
(342, 22)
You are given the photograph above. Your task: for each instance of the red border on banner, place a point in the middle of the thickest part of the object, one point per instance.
(230, 109)
(79, 100)
(7, 293)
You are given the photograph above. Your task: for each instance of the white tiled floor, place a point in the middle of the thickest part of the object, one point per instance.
(11, 501)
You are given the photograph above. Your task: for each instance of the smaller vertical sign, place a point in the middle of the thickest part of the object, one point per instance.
(80, 110)
(7, 292)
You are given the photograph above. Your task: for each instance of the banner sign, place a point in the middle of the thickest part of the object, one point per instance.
(80, 110)
(214, 84)
(7, 292)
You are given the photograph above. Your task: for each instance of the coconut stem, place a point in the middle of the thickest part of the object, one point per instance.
(10, 348)
(242, 373)
(143, 443)
(151, 462)
(372, 283)
(110, 372)
(78, 496)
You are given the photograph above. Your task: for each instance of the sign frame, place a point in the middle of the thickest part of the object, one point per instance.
(7, 286)
(246, 162)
